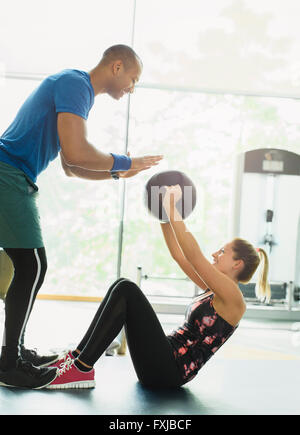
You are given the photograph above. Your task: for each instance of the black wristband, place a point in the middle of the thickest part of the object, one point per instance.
(114, 175)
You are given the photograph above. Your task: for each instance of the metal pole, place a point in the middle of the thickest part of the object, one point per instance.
(123, 185)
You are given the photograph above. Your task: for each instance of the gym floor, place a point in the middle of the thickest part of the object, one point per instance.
(256, 372)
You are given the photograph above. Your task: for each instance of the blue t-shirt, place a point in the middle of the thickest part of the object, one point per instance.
(31, 142)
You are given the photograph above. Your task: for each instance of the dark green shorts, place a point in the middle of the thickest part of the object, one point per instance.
(19, 217)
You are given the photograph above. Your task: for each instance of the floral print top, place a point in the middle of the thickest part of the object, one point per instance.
(201, 335)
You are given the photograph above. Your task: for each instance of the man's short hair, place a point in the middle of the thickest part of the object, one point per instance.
(121, 52)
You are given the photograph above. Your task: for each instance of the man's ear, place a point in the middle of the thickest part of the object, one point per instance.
(117, 67)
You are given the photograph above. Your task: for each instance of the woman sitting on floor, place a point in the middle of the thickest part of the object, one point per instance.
(172, 360)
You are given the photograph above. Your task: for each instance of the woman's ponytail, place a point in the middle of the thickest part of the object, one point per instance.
(253, 258)
(262, 287)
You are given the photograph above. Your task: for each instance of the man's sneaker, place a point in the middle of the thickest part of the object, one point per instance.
(37, 360)
(71, 377)
(62, 360)
(26, 375)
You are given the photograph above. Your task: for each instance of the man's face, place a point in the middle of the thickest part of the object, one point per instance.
(123, 80)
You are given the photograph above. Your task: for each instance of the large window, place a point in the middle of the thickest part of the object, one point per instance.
(43, 37)
(199, 134)
(226, 45)
(219, 78)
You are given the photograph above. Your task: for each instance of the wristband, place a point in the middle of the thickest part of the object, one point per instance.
(121, 163)
(114, 175)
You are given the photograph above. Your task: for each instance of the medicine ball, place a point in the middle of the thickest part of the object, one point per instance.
(154, 193)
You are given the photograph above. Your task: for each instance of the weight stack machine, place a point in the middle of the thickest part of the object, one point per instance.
(266, 211)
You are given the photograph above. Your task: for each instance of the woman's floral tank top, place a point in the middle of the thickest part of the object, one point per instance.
(201, 335)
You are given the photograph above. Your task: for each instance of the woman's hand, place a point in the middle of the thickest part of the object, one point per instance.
(172, 196)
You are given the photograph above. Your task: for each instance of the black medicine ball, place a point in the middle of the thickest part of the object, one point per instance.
(154, 193)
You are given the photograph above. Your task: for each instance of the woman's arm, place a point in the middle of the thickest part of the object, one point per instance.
(178, 256)
(217, 281)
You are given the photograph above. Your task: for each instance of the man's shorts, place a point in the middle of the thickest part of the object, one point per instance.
(19, 217)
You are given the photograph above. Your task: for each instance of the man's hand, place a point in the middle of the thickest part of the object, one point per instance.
(151, 160)
(139, 163)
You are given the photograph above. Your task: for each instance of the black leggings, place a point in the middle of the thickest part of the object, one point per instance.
(151, 353)
(30, 267)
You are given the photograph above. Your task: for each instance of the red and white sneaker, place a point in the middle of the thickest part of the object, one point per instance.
(62, 360)
(69, 376)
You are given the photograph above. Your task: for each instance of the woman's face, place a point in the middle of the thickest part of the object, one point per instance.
(223, 259)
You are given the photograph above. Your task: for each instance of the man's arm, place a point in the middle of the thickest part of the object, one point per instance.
(77, 151)
(75, 148)
(74, 171)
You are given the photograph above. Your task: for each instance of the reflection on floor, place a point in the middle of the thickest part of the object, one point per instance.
(256, 372)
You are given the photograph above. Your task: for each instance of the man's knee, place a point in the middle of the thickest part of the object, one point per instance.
(41, 259)
(29, 264)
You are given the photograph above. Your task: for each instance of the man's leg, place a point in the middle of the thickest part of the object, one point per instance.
(30, 267)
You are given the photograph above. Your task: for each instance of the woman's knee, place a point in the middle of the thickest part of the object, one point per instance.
(127, 288)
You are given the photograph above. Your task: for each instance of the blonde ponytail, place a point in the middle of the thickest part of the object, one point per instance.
(262, 287)
(253, 258)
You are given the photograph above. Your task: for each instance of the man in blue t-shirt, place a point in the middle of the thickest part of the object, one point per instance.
(51, 121)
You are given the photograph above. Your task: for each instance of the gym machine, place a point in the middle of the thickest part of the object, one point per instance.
(266, 211)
